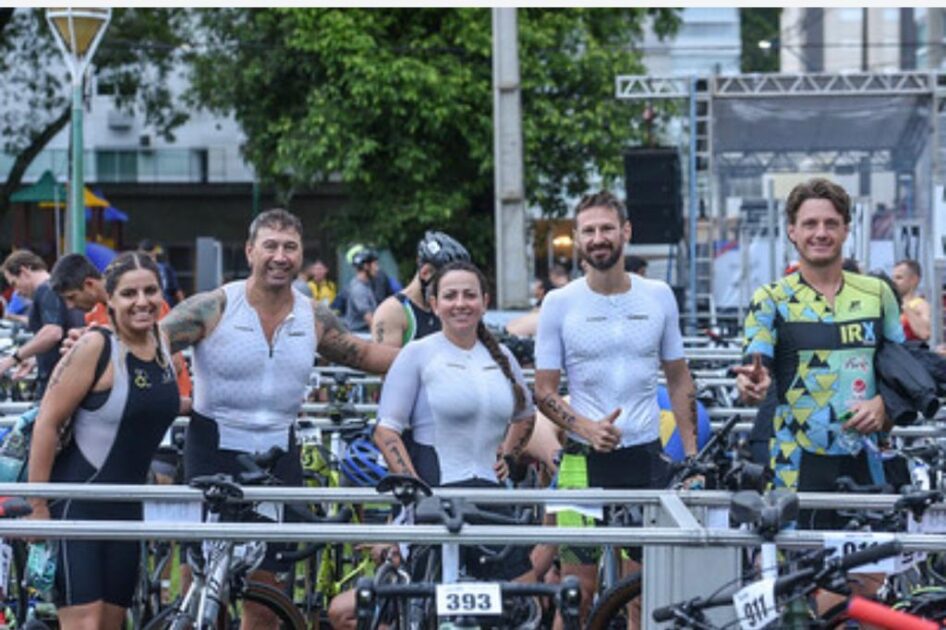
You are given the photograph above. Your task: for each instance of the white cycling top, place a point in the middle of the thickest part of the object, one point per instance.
(253, 389)
(610, 347)
(456, 400)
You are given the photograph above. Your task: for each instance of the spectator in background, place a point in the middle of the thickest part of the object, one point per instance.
(169, 284)
(635, 264)
(361, 302)
(558, 275)
(49, 319)
(322, 287)
(381, 282)
(916, 310)
(301, 283)
(15, 306)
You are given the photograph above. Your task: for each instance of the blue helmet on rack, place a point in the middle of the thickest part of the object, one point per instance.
(363, 465)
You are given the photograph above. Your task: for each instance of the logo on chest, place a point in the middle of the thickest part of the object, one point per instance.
(858, 334)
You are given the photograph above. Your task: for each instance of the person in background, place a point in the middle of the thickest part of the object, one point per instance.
(915, 317)
(78, 282)
(361, 302)
(322, 287)
(169, 284)
(635, 264)
(301, 283)
(49, 318)
(558, 275)
(381, 283)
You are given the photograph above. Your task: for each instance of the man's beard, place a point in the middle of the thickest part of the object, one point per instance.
(602, 265)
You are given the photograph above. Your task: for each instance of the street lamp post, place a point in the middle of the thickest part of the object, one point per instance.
(78, 33)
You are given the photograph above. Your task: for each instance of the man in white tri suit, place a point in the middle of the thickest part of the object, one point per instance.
(612, 333)
(255, 344)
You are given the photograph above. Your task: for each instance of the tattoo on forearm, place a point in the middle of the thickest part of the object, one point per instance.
(691, 397)
(520, 444)
(556, 411)
(190, 320)
(339, 347)
(391, 446)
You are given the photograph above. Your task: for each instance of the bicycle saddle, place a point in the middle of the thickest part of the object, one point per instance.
(405, 488)
(769, 514)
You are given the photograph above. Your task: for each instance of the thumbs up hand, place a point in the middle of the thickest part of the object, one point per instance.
(602, 434)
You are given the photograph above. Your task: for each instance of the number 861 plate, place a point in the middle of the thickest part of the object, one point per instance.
(469, 598)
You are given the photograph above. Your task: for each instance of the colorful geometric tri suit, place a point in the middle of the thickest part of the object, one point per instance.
(821, 359)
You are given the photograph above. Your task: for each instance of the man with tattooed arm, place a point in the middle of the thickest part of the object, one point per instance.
(611, 333)
(255, 343)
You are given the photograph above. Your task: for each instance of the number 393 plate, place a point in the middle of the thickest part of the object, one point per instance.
(469, 598)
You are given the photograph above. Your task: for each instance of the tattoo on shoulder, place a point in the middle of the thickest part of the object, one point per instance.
(192, 319)
(68, 359)
(379, 332)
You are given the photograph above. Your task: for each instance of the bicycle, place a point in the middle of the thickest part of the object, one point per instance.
(720, 470)
(760, 603)
(221, 576)
(458, 602)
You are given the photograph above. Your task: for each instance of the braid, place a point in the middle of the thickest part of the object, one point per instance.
(483, 334)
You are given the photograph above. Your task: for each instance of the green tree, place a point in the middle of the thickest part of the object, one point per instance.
(397, 104)
(136, 57)
(755, 25)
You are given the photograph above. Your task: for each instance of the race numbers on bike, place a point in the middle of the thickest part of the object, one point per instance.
(755, 604)
(845, 543)
(469, 598)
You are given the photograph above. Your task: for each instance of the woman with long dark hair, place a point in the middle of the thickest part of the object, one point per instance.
(108, 405)
(470, 385)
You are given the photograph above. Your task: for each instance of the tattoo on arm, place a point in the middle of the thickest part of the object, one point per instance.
(335, 342)
(66, 361)
(379, 332)
(191, 320)
(557, 412)
(691, 398)
(392, 447)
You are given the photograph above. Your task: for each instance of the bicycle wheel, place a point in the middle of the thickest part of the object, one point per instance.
(164, 619)
(610, 611)
(276, 601)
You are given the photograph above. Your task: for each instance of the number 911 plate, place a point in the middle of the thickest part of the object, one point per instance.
(469, 598)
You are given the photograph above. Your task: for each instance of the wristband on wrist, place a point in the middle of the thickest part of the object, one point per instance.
(16, 357)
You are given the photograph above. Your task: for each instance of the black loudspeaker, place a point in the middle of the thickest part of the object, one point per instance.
(654, 203)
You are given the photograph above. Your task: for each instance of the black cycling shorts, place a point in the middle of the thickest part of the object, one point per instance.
(819, 473)
(202, 456)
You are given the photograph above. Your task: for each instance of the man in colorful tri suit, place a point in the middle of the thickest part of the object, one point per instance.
(812, 335)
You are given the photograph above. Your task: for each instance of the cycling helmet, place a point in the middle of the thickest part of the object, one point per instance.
(363, 257)
(363, 464)
(438, 249)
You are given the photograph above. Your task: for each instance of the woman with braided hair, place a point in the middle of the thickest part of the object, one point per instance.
(470, 385)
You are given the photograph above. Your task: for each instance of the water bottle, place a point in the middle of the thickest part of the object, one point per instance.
(849, 439)
(41, 567)
(15, 447)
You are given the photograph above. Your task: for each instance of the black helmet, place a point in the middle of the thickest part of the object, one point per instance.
(363, 257)
(438, 249)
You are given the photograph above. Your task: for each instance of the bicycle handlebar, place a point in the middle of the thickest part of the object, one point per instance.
(812, 576)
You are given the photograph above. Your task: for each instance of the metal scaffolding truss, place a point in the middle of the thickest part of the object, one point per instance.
(756, 163)
(860, 84)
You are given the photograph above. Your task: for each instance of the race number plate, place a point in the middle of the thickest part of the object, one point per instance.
(844, 543)
(469, 598)
(755, 604)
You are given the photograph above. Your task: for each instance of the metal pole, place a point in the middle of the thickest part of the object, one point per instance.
(694, 210)
(76, 185)
(512, 285)
(770, 219)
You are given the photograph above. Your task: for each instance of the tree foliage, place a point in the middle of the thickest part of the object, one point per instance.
(397, 104)
(757, 24)
(136, 55)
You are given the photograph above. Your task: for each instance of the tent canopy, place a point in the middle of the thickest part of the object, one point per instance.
(49, 193)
